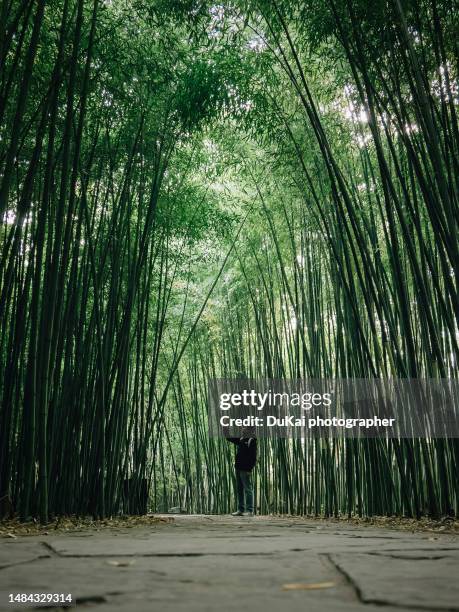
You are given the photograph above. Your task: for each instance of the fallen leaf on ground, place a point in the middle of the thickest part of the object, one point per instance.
(307, 586)
(391, 522)
(121, 563)
(73, 523)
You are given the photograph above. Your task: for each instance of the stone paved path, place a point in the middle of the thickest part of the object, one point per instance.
(220, 563)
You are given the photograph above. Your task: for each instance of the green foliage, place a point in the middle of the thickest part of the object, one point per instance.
(136, 140)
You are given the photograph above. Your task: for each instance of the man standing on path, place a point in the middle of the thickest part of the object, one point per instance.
(246, 457)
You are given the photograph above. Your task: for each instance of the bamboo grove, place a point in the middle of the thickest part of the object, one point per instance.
(191, 190)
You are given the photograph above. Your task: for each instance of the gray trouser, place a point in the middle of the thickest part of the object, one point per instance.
(244, 491)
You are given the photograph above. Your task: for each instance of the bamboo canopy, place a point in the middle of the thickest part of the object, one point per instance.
(191, 190)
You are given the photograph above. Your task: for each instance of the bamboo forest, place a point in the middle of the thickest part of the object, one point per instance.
(194, 190)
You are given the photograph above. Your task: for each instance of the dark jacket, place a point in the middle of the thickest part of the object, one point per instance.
(246, 453)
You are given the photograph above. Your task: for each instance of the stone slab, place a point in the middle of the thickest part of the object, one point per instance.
(244, 542)
(14, 551)
(416, 582)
